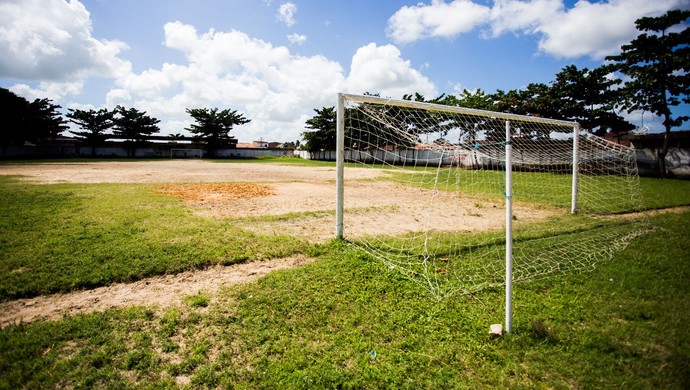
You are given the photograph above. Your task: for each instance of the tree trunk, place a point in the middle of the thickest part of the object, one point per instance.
(662, 154)
(664, 148)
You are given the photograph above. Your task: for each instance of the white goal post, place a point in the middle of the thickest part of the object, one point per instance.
(440, 150)
(186, 153)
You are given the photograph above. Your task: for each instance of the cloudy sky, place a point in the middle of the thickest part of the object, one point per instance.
(278, 60)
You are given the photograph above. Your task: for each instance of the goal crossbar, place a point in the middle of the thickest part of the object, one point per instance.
(451, 109)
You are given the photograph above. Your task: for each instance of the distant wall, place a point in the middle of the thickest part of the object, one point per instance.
(677, 162)
(164, 152)
(38, 151)
(152, 151)
(255, 152)
(677, 159)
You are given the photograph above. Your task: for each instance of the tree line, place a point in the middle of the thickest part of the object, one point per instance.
(23, 122)
(655, 66)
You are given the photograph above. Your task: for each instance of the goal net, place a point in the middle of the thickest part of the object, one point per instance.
(186, 153)
(451, 191)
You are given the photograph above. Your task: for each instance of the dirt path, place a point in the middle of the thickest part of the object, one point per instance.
(161, 291)
(647, 213)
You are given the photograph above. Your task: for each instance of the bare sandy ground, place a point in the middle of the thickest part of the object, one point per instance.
(241, 190)
(161, 291)
(173, 171)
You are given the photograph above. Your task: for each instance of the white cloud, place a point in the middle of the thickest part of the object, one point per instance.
(523, 16)
(232, 70)
(589, 28)
(297, 39)
(49, 46)
(276, 89)
(52, 40)
(597, 29)
(381, 69)
(439, 19)
(48, 89)
(286, 13)
(118, 97)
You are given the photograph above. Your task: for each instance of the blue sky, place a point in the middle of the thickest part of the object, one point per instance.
(276, 61)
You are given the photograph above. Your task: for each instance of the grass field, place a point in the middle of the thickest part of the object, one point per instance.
(342, 321)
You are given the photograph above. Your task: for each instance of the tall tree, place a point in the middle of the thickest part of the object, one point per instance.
(589, 97)
(44, 119)
(21, 121)
(658, 65)
(323, 135)
(512, 102)
(94, 125)
(477, 99)
(413, 123)
(213, 127)
(12, 117)
(134, 125)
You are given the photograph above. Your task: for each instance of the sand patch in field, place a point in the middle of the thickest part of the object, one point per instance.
(162, 291)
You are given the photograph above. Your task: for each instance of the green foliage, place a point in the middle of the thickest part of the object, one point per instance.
(134, 126)
(213, 127)
(44, 120)
(657, 63)
(94, 125)
(23, 121)
(324, 135)
(589, 98)
(478, 100)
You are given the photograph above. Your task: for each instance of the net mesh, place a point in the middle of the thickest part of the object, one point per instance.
(442, 182)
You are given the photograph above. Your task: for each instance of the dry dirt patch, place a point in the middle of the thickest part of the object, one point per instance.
(198, 193)
(162, 291)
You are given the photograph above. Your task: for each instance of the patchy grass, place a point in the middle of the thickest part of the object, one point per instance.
(663, 193)
(56, 238)
(347, 322)
(344, 321)
(597, 194)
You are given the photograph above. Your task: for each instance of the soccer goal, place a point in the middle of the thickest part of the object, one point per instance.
(186, 153)
(457, 178)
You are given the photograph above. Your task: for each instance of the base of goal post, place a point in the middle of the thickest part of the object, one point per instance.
(496, 330)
